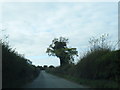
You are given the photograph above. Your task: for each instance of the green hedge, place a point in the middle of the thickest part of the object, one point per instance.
(16, 71)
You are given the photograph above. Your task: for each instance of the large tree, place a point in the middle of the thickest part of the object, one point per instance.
(59, 48)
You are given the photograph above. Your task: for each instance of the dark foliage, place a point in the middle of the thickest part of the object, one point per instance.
(16, 70)
(94, 69)
(51, 66)
(59, 49)
(100, 63)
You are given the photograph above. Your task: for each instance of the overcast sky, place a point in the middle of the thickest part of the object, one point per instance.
(32, 26)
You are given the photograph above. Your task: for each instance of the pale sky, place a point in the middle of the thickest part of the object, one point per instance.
(32, 26)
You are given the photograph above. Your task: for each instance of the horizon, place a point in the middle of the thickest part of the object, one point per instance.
(32, 26)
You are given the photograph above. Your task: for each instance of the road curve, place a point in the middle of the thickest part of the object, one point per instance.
(45, 80)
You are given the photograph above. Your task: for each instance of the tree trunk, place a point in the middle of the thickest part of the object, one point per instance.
(61, 61)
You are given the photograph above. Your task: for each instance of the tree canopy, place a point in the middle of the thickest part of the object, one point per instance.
(59, 48)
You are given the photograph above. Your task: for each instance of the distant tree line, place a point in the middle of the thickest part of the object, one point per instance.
(45, 67)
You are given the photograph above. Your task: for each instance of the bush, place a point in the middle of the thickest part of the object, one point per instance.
(87, 66)
(101, 64)
(16, 71)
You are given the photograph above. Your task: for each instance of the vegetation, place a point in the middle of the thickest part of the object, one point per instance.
(99, 67)
(59, 48)
(16, 70)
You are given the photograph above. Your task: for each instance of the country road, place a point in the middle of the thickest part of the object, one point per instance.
(45, 80)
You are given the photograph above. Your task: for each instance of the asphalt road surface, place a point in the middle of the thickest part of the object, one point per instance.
(45, 80)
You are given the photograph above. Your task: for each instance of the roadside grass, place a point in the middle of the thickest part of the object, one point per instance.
(99, 67)
(105, 70)
(93, 83)
(19, 83)
(88, 82)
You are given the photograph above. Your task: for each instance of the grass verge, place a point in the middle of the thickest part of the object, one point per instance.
(90, 83)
